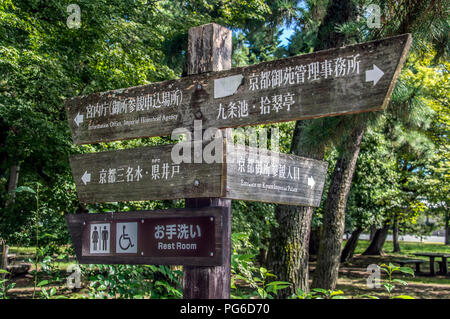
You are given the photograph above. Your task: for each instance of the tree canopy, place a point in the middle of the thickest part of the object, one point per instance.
(403, 166)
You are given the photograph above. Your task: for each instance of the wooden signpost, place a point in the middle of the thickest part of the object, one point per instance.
(148, 173)
(173, 237)
(347, 80)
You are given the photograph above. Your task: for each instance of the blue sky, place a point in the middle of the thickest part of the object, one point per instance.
(287, 32)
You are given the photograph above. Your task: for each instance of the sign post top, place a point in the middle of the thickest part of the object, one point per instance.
(209, 49)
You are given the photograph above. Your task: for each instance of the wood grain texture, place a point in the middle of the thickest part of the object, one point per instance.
(274, 177)
(180, 181)
(210, 282)
(208, 49)
(244, 175)
(192, 97)
(77, 222)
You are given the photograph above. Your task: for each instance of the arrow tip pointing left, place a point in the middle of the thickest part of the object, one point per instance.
(79, 119)
(86, 178)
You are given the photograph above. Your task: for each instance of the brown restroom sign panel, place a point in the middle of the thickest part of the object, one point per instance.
(163, 237)
(180, 236)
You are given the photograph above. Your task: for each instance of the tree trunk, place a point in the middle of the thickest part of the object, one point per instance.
(13, 180)
(395, 235)
(288, 251)
(447, 228)
(373, 230)
(350, 246)
(376, 245)
(3, 257)
(314, 241)
(290, 240)
(338, 12)
(328, 259)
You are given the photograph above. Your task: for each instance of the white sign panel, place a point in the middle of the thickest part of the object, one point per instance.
(99, 238)
(126, 238)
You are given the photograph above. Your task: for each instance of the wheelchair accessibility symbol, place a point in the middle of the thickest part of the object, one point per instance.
(126, 237)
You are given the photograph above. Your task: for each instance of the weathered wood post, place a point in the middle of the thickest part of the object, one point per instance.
(3, 256)
(209, 49)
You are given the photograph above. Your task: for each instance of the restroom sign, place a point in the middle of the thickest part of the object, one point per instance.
(182, 236)
(112, 238)
(99, 236)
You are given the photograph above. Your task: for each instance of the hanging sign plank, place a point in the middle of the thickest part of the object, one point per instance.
(264, 176)
(347, 80)
(170, 237)
(148, 173)
(144, 173)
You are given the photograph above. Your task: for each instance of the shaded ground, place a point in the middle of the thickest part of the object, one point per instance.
(353, 280)
(24, 288)
(352, 277)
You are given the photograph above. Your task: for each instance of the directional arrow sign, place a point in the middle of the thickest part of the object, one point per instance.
(144, 173)
(78, 119)
(273, 177)
(351, 79)
(148, 173)
(311, 182)
(86, 178)
(374, 75)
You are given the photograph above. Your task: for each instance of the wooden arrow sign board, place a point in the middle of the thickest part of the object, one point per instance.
(352, 79)
(144, 173)
(148, 173)
(273, 177)
(168, 237)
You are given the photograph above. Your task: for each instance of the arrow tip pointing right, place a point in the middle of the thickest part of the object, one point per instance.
(311, 182)
(374, 75)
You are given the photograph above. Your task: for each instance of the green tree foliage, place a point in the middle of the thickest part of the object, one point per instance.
(414, 137)
(340, 26)
(375, 185)
(118, 44)
(403, 169)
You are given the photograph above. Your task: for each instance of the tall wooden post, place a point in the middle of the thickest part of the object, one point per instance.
(209, 49)
(3, 256)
